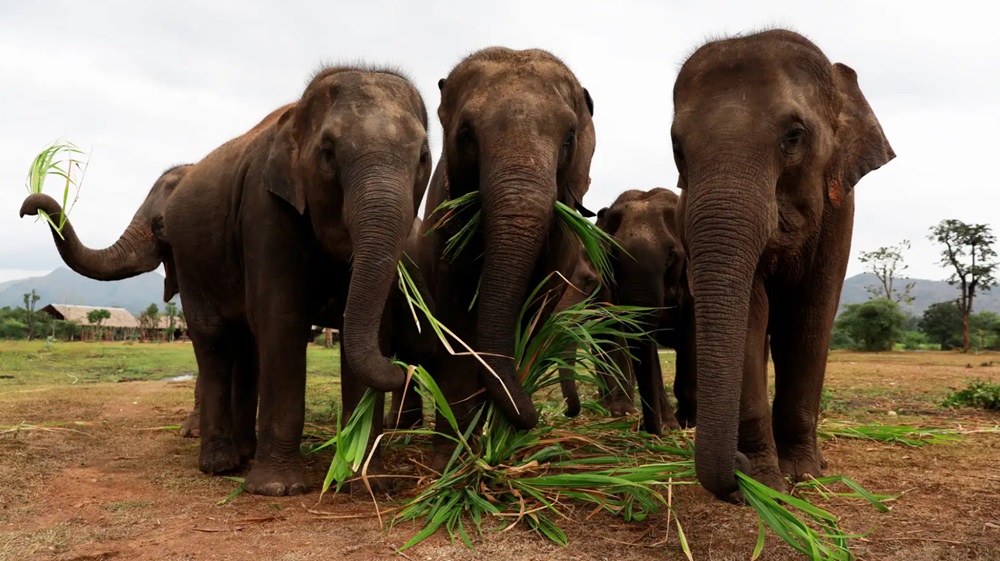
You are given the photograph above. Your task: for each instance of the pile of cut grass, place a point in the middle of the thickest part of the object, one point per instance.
(509, 477)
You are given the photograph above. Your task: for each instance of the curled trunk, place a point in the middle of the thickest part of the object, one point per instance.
(136, 251)
(379, 219)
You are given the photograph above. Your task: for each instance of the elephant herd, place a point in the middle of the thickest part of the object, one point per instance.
(303, 219)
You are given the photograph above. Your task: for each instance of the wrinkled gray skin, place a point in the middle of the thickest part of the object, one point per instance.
(650, 270)
(769, 140)
(299, 222)
(582, 284)
(517, 129)
(141, 248)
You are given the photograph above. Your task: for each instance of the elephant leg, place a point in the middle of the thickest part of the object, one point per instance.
(281, 344)
(190, 427)
(213, 349)
(618, 393)
(244, 395)
(800, 343)
(647, 369)
(756, 440)
(567, 382)
(406, 410)
(685, 374)
(465, 395)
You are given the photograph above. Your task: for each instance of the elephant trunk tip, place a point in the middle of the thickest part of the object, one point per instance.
(38, 201)
(721, 480)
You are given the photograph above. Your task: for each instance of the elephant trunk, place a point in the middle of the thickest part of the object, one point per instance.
(379, 215)
(517, 215)
(727, 227)
(135, 252)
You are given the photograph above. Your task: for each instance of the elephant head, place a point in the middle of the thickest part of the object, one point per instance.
(518, 128)
(352, 158)
(649, 262)
(140, 249)
(769, 138)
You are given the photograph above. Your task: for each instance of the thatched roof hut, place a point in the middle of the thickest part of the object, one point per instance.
(120, 317)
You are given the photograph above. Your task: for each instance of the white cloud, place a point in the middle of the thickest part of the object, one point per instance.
(148, 86)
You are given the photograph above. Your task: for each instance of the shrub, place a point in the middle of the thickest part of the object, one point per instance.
(914, 340)
(978, 394)
(873, 325)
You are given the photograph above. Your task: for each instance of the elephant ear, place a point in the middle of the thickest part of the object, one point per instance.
(278, 174)
(578, 176)
(860, 144)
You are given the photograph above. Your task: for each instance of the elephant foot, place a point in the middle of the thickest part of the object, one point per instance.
(764, 469)
(276, 482)
(618, 407)
(670, 423)
(572, 406)
(218, 455)
(190, 426)
(685, 417)
(803, 466)
(246, 448)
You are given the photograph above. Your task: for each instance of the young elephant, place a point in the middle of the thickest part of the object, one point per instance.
(769, 139)
(298, 222)
(518, 129)
(650, 270)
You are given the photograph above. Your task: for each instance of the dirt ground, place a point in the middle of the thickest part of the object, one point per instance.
(116, 485)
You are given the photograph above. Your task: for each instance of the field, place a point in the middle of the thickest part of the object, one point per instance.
(91, 468)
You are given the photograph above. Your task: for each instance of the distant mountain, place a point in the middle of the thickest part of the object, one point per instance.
(925, 293)
(64, 286)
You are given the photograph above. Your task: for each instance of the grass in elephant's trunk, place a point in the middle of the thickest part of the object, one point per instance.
(47, 163)
(537, 477)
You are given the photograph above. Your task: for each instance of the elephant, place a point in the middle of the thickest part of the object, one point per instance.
(140, 249)
(298, 222)
(518, 128)
(650, 270)
(769, 139)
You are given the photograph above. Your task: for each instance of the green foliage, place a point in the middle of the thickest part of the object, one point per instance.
(95, 317)
(978, 394)
(872, 325)
(47, 163)
(14, 324)
(840, 339)
(984, 329)
(886, 263)
(942, 323)
(914, 341)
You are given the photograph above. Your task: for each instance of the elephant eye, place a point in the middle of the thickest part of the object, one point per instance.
(465, 135)
(793, 139)
(327, 158)
(567, 145)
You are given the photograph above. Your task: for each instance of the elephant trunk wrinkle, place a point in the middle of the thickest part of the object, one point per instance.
(517, 213)
(135, 252)
(378, 225)
(726, 238)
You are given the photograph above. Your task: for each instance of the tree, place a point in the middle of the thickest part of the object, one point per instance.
(872, 325)
(984, 327)
(942, 324)
(968, 249)
(30, 299)
(170, 310)
(95, 317)
(886, 263)
(149, 319)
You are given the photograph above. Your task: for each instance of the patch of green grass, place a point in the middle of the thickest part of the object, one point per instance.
(978, 394)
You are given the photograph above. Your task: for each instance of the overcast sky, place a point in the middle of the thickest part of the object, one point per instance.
(148, 85)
